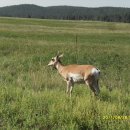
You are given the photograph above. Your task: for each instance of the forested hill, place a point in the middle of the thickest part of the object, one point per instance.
(67, 12)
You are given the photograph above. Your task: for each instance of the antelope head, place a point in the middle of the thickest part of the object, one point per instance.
(55, 60)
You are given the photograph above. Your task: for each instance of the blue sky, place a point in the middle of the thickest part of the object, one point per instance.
(85, 3)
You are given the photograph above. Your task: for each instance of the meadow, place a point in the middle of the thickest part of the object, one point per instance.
(32, 95)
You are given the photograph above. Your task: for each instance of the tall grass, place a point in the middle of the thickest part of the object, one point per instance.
(32, 96)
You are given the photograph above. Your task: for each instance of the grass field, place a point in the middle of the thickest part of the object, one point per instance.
(32, 96)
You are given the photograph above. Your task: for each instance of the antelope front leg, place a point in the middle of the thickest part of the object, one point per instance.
(69, 87)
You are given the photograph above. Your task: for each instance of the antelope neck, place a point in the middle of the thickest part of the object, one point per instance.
(59, 67)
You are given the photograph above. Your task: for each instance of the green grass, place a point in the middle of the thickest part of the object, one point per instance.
(32, 96)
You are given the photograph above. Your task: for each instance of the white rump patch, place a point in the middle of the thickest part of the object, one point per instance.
(95, 72)
(76, 77)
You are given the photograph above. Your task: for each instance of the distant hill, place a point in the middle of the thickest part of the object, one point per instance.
(114, 14)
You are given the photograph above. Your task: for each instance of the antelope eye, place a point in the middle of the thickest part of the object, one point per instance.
(52, 59)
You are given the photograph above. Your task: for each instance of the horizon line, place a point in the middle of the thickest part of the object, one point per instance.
(65, 5)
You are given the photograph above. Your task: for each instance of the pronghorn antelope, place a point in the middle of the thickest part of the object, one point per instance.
(87, 74)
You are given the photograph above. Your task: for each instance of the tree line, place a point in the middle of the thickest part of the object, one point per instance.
(109, 14)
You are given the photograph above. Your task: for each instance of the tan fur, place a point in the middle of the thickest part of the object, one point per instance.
(84, 70)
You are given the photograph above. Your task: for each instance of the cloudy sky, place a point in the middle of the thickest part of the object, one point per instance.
(86, 3)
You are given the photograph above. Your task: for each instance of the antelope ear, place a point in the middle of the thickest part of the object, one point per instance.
(60, 56)
(57, 55)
